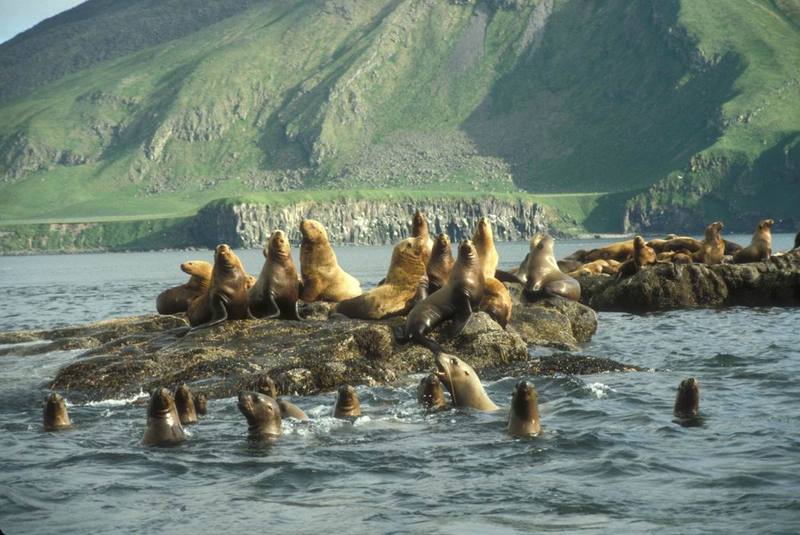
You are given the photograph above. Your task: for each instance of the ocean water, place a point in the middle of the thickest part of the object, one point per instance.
(610, 456)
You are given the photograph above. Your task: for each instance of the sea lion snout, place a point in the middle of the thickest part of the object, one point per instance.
(161, 401)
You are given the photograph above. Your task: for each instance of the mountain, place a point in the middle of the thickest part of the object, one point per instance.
(655, 114)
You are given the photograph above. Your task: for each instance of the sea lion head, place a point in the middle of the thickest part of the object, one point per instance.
(441, 246)
(262, 413)
(713, 230)
(347, 403)
(184, 402)
(765, 226)
(467, 254)
(55, 412)
(225, 257)
(525, 401)
(542, 244)
(278, 246)
(409, 249)
(639, 243)
(430, 392)
(197, 268)
(687, 401)
(265, 385)
(483, 231)
(313, 231)
(419, 225)
(451, 370)
(200, 403)
(161, 404)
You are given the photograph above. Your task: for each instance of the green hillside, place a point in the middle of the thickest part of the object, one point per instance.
(677, 111)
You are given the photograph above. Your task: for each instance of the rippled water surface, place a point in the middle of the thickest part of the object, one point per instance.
(609, 458)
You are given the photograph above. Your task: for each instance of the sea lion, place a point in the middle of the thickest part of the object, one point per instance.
(681, 243)
(731, 248)
(543, 278)
(643, 256)
(483, 239)
(620, 251)
(184, 402)
(430, 393)
(163, 423)
(347, 404)
(681, 257)
(226, 298)
(568, 265)
(760, 247)
(687, 401)
(323, 279)
(177, 299)
(262, 414)
(265, 385)
(713, 247)
(55, 415)
(201, 404)
(440, 263)
(419, 229)
(396, 295)
(463, 383)
(290, 410)
(455, 300)
(590, 269)
(797, 241)
(277, 289)
(496, 301)
(611, 267)
(523, 417)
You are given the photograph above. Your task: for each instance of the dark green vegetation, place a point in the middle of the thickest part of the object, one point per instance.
(667, 113)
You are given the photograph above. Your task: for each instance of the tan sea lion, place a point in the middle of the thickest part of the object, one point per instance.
(163, 423)
(177, 299)
(397, 293)
(544, 279)
(277, 290)
(592, 269)
(713, 247)
(455, 300)
(483, 239)
(226, 298)
(681, 257)
(496, 301)
(440, 263)
(523, 417)
(419, 229)
(687, 401)
(290, 410)
(620, 251)
(643, 256)
(262, 414)
(184, 402)
(347, 404)
(463, 383)
(201, 404)
(323, 279)
(760, 247)
(430, 393)
(55, 415)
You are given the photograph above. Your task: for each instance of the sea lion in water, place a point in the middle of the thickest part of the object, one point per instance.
(543, 278)
(266, 385)
(323, 279)
(440, 263)
(713, 247)
(226, 298)
(184, 402)
(263, 415)
(523, 417)
(397, 293)
(496, 301)
(290, 410)
(455, 300)
(177, 299)
(55, 415)
(163, 423)
(687, 401)
(347, 404)
(201, 404)
(463, 383)
(277, 289)
(760, 247)
(430, 393)
(643, 256)
(419, 229)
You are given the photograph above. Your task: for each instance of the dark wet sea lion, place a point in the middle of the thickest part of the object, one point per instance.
(347, 404)
(483, 239)
(496, 301)
(266, 385)
(323, 279)
(463, 383)
(201, 404)
(797, 241)
(643, 256)
(277, 289)
(523, 417)
(760, 247)
(263, 415)
(184, 402)
(227, 294)
(440, 263)
(681, 243)
(713, 247)
(544, 278)
(419, 229)
(177, 299)
(290, 410)
(687, 401)
(163, 423)
(731, 248)
(430, 393)
(455, 300)
(55, 415)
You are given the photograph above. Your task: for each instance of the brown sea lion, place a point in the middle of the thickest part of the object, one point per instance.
(397, 293)
(290, 410)
(440, 263)
(177, 299)
(687, 401)
(277, 290)
(681, 257)
(681, 243)
(419, 229)
(323, 279)
(455, 300)
(496, 301)
(592, 269)
(731, 248)
(760, 247)
(262, 414)
(266, 385)
(568, 266)
(483, 239)
(347, 404)
(163, 423)
(430, 393)
(201, 404)
(55, 415)
(463, 383)
(523, 417)
(184, 402)
(713, 247)
(643, 256)
(226, 298)
(544, 279)
(620, 251)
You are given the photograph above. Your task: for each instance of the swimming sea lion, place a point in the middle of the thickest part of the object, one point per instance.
(226, 298)
(290, 410)
(523, 418)
(177, 299)
(760, 247)
(543, 278)
(483, 239)
(687, 401)
(200, 404)
(440, 263)
(419, 229)
(496, 301)
(323, 279)
(277, 290)
(463, 383)
(163, 423)
(55, 413)
(713, 247)
(347, 403)
(263, 415)
(184, 402)
(455, 300)
(430, 393)
(643, 256)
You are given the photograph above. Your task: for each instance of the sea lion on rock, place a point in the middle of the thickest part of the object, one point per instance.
(177, 299)
(760, 247)
(687, 401)
(419, 229)
(590, 269)
(201, 404)
(544, 278)
(523, 417)
(184, 402)
(277, 290)
(455, 300)
(483, 239)
(643, 256)
(226, 298)
(496, 301)
(620, 251)
(262, 414)
(430, 393)
(347, 404)
(323, 279)
(681, 243)
(290, 410)
(163, 423)
(713, 247)
(55, 415)
(440, 263)
(463, 383)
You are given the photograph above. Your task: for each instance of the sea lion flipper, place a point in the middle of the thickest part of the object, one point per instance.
(507, 276)
(294, 313)
(274, 310)
(218, 304)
